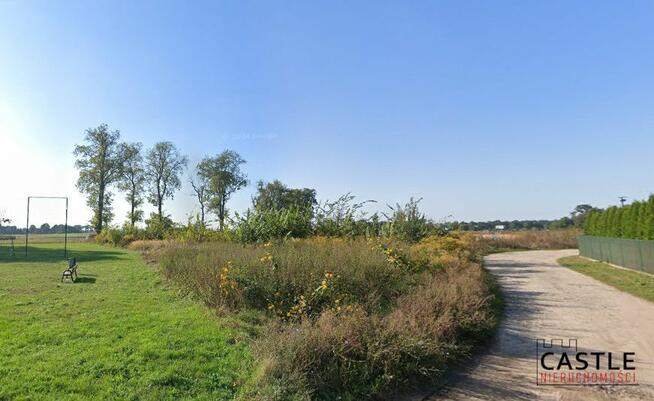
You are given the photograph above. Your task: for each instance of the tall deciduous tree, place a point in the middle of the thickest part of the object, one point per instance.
(200, 187)
(224, 176)
(580, 213)
(100, 165)
(277, 196)
(133, 180)
(164, 165)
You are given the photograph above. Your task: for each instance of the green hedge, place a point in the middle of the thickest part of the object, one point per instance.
(634, 221)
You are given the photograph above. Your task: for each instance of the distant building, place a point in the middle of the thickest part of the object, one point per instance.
(499, 227)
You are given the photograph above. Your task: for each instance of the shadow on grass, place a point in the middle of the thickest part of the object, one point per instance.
(85, 280)
(42, 254)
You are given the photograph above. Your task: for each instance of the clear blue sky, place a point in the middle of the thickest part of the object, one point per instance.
(508, 110)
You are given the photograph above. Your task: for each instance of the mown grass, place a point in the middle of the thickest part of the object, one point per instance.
(632, 282)
(116, 334)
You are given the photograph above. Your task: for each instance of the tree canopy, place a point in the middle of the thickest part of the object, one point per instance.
(224, 177)
(277, 196)
(164, 166)
(100, 165)
(132, 181)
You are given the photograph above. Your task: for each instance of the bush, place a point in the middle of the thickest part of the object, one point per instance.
(408, 223)
(269, 224)
(111, 236)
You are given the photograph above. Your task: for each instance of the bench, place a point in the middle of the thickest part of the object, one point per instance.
(71, 271)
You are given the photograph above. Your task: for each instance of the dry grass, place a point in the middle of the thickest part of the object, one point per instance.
(532, 239)
(360, 355)
(348, 319)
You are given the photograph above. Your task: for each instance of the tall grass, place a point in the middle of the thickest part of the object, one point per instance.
(347, 319)
(309, 275)
(532, 239)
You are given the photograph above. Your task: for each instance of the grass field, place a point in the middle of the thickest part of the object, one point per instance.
(633, 282)
(117, 334)
(44, 238)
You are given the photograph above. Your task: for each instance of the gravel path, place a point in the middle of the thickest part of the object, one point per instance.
(545, 300)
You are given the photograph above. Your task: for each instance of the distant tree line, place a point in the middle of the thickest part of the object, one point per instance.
(508, 225)
(635, 221)
(576, 219)
(46, 229)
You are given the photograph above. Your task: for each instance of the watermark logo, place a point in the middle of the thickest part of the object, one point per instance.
(562, 362)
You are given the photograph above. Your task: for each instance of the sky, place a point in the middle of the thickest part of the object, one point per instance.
(485, 110)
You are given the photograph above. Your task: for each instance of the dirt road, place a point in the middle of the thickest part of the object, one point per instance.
(544, 300)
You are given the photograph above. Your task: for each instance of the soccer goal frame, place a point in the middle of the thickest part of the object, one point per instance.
(27, 225)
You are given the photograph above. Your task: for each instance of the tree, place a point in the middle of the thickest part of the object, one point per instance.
(277, 196)
(563, 222)
(626, 223)
(200, 187)
(649, 218)
(133, 180)
(100, 165)
(638, 216)
(590, 225)
(164, 165)
(224, 177)
(580, 213)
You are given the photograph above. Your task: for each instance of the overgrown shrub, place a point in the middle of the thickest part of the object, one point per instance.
(111, 236)
(359, 355)
(293, 279)
(408, 223)
(348, 319)
(268, 224)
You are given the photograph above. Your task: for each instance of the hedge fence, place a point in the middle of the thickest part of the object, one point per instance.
(634, 221)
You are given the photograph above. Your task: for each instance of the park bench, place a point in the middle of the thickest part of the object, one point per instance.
(71, 271)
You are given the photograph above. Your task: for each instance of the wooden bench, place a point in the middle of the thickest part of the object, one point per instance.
(71, 271)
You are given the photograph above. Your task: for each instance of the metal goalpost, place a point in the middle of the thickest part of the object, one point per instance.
(27, 225)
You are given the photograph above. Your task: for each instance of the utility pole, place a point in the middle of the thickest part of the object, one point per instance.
(623, 199)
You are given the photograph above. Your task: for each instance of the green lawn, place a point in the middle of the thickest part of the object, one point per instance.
(633, 282)
(117, 334)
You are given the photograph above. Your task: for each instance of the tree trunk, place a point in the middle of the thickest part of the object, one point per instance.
(100, 211)
(159, 202)
(132, 217)
(221, 213)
